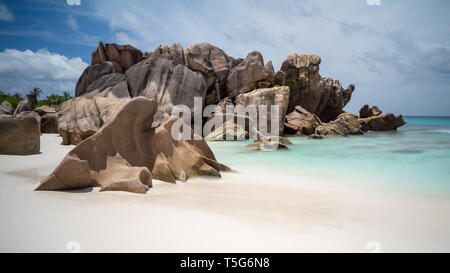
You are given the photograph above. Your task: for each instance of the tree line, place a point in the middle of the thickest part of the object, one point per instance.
(50, 100)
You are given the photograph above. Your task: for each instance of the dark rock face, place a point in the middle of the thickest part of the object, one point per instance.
(121, 56)
(91, 74)
(126, 154)
(197, 62)
(166, 80)
(366, 111)
(382, 123)
(19, 136)
(344, 125)
(220, 61)
(6, 108)
(324, 97)
(301, 122)
(246, 76)
(105, 81)
(49, 119)
(27, 104)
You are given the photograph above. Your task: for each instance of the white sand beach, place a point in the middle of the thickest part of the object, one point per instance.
(242, 212)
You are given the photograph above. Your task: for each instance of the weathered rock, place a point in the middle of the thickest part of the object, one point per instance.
(48, 119)
(6, 108)
(176, 49)
(127, 153)
(26, 104)
(343, 126)
(269, 144)
(91, 74)
(165, 79)
(324, 97)
(301, 122)
(366, 111)
(197, 62)
(228, 131)
(278, 96)
(382, 123)
(79, 118)
(124, 55)
(19, 136)
(49, 123)
(220, 61)
(246, 76)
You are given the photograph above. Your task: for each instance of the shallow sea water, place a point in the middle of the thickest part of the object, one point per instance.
(417, 156)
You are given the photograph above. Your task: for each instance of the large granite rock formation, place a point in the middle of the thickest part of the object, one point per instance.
(127, 153)
(121, 56)
(220, 61)
(249, 75)
(79, 118)
(19, 136)
(321, 96)
(176, 49)
(382, 122)
(166, 80)
(301, 122)
(228, 131)
(26, 104)
(278, 96)
(91, 74)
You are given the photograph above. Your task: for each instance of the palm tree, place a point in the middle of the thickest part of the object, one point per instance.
(66, 95)
(17, 95)
(36, 92)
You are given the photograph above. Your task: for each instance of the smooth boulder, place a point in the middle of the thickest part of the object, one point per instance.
(79, 118)
(268, 97)
(165, 79)
(26, 104)
(127, 153)
(91, 74)
(121, 56)
(6, 108)
(19, 136)
(248, 75)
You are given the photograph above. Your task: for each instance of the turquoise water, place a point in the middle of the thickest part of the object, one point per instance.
(416, 156)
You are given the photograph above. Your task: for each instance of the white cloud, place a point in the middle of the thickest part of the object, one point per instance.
(5, 14)
(374, 2)
(54, 73)
(73, 2)
(72, 23)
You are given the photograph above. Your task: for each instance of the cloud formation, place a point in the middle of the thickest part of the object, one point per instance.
(374, 2)
(73, 2)
(20, 71)
(5, 14)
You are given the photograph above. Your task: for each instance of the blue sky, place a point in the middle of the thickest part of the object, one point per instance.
(397, 53)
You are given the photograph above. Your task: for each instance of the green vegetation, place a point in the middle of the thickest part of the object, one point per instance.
(50, 100)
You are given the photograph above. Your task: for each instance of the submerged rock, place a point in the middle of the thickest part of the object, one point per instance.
(301, 122)
(19, 136)
(127, 153)
(382, 123)
(344, 125)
